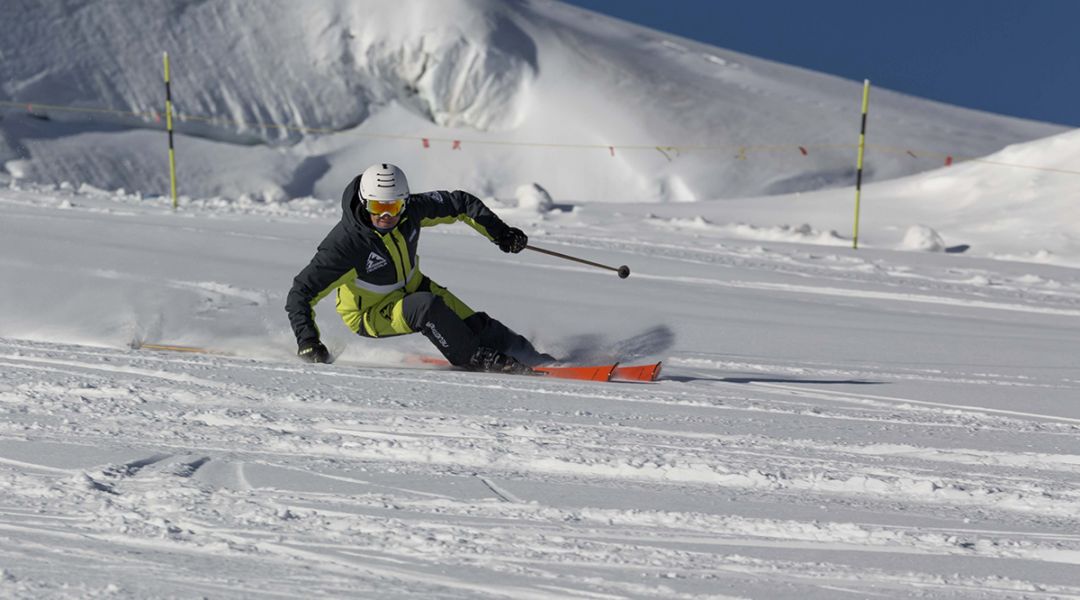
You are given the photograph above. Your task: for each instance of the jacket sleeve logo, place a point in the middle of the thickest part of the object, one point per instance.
(375, 262)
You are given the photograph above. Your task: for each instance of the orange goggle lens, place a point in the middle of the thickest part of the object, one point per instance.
(385, 207)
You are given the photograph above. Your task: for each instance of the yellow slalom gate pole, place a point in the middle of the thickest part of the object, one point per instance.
(168, 125)
(859, 163)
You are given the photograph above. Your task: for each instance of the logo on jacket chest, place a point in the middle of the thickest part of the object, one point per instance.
(375, 261)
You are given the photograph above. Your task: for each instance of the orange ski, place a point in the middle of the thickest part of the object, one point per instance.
(593, 373)
(579, 372)
(420, 359)
(638, 372)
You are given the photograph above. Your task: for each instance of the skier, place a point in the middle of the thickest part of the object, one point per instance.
(371, 259)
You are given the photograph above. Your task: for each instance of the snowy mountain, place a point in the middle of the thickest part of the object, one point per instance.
(590, 108)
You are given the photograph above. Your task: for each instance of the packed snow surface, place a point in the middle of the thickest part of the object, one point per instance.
(831, 423)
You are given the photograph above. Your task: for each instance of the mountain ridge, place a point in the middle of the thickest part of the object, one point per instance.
(547, 87)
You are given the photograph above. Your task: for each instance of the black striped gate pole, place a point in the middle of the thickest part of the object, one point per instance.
(168, 125)
(859, 164)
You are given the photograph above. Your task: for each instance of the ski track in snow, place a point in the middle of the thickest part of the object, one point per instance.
(953, 286)
(789, 470)
(365, 481)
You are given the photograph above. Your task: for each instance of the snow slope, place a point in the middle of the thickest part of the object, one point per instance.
(832, 423)
(1017, 204)
(536, 90)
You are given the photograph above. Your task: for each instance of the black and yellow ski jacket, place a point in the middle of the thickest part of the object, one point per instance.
(368, 268)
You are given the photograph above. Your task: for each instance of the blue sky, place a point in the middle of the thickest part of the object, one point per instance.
(1014, 57)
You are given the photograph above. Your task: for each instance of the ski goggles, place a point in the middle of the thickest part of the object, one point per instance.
(385, 207)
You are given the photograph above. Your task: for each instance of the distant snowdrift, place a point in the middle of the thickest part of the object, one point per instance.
(921, 237)
(591, 108)
(980, 207)
(1010, 212)
(780, 233)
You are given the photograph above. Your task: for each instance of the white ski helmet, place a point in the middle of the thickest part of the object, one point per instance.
(384, 182)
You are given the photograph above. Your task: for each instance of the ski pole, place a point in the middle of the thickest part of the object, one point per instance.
(623, 271)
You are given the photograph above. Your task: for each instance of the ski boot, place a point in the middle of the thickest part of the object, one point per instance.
(492, 361)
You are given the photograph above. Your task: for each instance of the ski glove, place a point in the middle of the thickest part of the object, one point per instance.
(314, 352)
(513, 240)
